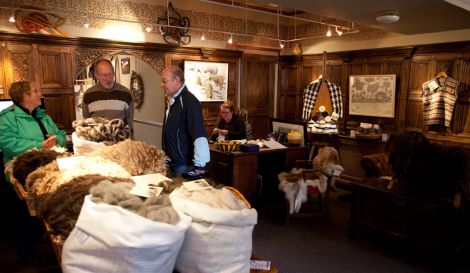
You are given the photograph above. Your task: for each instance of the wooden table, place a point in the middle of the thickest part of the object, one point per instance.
(240, 170)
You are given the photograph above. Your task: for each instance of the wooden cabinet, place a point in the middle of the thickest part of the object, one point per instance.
(49, 68)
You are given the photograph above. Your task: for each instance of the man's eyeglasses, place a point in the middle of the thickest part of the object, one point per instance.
(166, 80)
(225, 112)
(110, 75)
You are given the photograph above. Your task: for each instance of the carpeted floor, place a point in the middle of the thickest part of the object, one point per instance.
(321, 245)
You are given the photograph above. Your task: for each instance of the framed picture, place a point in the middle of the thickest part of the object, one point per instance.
(125, 65)
(372, 95)
(281, 127)
(208, 81)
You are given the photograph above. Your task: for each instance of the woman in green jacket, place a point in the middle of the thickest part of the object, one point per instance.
(24, 126)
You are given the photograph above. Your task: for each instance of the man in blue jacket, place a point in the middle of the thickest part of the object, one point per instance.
(184, 138)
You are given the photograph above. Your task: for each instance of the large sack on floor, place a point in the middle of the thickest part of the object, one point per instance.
(218, 240)
(109, 238)
(82, 146)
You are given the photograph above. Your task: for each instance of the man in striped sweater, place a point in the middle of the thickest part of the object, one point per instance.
(108, 99)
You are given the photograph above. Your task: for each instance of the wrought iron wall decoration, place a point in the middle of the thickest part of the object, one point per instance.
(137, 89)
(31, 19)
(176, 29)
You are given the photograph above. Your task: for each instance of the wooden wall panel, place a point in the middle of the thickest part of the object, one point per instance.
(257, 92)
(413, 66)
(58, 108)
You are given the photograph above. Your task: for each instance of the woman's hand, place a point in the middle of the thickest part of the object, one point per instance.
(223, 132)
(216, 131)
(50, 142)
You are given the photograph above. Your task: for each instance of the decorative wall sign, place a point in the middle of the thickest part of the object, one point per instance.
(208, 81)
(177, 27)
(372, 95)
(33, 20)
(137, 90)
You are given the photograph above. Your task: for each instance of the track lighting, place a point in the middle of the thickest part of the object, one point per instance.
(338, 30)
(328, 33)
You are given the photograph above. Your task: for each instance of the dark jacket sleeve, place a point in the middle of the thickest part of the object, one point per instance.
(237, 128)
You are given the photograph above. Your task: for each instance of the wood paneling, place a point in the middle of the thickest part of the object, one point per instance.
(412, 65)
(257, 91)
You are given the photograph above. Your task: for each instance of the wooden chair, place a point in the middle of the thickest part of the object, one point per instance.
(317, 202)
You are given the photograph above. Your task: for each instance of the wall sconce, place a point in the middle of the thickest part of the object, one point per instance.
(328, 33)
(281, 45)
(12, 19)
(203, 37)
(230, 40)
(148, 29)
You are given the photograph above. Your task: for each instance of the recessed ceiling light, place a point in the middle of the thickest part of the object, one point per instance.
(388, 17)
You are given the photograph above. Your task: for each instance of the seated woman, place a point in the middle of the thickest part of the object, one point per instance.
(229, 125)
(24, 126)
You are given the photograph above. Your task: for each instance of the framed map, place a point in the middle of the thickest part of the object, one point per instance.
(208, 81)
(372, 95)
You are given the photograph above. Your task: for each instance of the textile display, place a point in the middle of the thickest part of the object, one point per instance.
(311, 95)
(439, 96)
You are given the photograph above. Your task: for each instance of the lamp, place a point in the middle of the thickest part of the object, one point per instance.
(230, 40)
(12, 19)
(328, 33)
(387, 17)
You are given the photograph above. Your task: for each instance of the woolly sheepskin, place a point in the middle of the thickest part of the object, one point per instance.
(157, 209)
(137, 157)
(61, 213)
(101, 130)
(217, 198)
(49, 178)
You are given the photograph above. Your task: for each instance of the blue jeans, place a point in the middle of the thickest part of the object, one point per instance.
(179, 170)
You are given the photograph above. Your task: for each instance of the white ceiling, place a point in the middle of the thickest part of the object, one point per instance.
(416, 16)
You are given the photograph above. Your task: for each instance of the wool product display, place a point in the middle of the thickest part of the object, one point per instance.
(101, 130)
(48, 178)
(157, 209)
(61, 213)
(217, 198)
(137, 157)
(25, 163)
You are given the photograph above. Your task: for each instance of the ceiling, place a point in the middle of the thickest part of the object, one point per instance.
(416, 16)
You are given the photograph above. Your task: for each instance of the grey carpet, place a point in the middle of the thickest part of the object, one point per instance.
(321, 245)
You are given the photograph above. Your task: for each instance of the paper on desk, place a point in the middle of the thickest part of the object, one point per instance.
(147, 185)
(272, 144)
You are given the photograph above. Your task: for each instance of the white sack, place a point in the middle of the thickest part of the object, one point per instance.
(109, 238)
(82, 146)
(218, 240)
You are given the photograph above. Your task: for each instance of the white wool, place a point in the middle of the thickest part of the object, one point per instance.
(217, 198)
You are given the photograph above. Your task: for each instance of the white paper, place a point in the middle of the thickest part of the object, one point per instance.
(196, 185)
(273, 144)
(258, 264)
(67, 163)
(147, 185)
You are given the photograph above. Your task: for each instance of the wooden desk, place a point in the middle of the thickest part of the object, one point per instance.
(240, 170)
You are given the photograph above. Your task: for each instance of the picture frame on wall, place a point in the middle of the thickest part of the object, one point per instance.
(281, 127)
(208, 81)
(125, 65)
(372, 95)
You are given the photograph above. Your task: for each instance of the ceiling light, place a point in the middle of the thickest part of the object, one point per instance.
(12, 19)
(388, 17)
